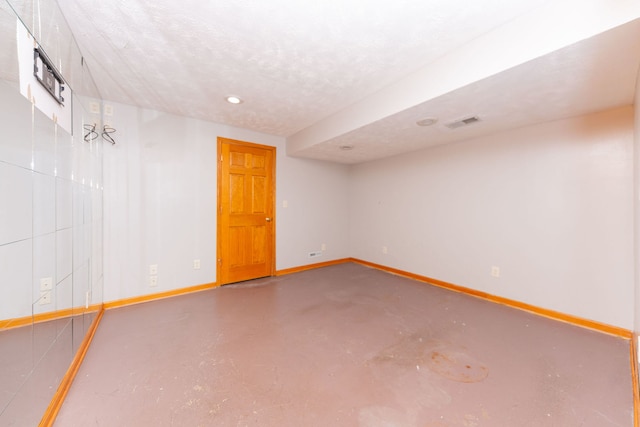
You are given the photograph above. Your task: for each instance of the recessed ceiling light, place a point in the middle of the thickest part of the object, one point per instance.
(231, 99)
(427, 121)
(346, 147)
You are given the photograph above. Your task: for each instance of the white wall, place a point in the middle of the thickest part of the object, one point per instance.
(51, 210)
(50, 220)
(636, 202)
(50, 178)
(550, 205)
(160, 202)
(317, 194)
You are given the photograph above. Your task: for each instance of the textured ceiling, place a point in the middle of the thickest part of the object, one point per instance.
(296, 63)
(593, 75)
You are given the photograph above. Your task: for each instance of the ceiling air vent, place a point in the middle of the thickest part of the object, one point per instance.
(463, 122)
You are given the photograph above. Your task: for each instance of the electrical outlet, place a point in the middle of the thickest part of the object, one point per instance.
(46, 284)
(108, 110)
(153, 281)
(495, 271)
(153, 269)
(285, 204)
(87, 298)
(196, 264)
(385, 250)
(45, 297)
(324, 247)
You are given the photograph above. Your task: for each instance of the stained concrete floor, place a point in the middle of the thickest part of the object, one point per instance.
(345, 345)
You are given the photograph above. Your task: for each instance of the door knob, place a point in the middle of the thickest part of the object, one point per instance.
(268, 219)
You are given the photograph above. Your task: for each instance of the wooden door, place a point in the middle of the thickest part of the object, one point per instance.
(246, 223)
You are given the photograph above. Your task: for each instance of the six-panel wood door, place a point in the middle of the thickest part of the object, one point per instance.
(246, 224)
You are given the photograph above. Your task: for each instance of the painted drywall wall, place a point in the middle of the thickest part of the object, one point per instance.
(636, 205)
(317, 198)
(160, 202)
(550, 205)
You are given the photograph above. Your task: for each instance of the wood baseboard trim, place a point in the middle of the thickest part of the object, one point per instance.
(45, 317)
(552, 314)
(160, 295)
(633, 348)
(58, 398)
(312, 266)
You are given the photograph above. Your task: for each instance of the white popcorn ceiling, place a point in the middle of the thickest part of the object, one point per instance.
(296, 62)
(594, 75)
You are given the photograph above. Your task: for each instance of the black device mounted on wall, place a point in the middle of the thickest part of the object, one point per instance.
(47, 75)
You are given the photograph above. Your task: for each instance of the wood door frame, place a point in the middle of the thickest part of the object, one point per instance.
(219, 251)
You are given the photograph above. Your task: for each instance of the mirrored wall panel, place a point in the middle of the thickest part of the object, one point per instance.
(51, 224)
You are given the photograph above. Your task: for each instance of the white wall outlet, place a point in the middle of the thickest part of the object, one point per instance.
(323, 247)
(196, 264)
(87, 298)
(285, 203)
(45, 297)
(94, 107)
(495, 271)
(153, 281)
(46, 284)
(153, 269)
(108, 110)
(385, 250)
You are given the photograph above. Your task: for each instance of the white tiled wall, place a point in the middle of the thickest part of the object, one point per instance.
(16, 210)
(63, 254)
(15, 148)
(50, 217)
(44, 204)
(44, 265)
(16, 276)
(50, 209)
(45, 211)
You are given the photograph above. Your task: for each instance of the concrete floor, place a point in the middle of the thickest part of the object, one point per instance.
(345, 346)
